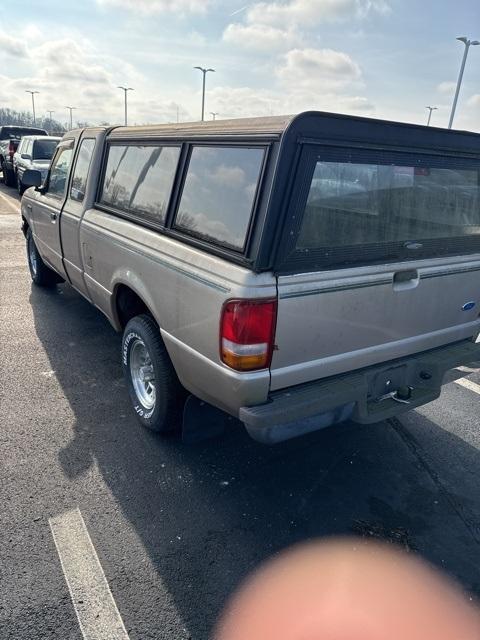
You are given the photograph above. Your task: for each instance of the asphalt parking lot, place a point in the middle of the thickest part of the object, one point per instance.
(176, 527)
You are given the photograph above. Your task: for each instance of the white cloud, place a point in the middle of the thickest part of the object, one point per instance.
(158, 6)
(234, 177)
(355, 104)
(67, 71)
(274, 25)
(31, 32)
(297, 101)
(259, 37)
(70, 69)
(312, 12)
(243, 102)
(196, 38)
(13, 46)
(447, 88)
(68, 60)
(474, 101)
(317, 69)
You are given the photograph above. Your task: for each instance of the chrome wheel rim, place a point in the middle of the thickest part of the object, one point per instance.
(32, 256)
(142, 374)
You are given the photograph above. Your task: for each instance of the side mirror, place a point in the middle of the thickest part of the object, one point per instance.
(32, 178)
(26, 156)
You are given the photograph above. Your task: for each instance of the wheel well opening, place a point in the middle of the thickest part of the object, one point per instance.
(128, 305)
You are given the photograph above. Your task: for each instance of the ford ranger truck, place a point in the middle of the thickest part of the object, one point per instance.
(293, 272)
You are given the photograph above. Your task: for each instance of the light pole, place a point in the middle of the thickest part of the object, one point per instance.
(214, 114)
(33, 103)
(125, 89)
(204, 71)
(467, 44)
(71, 109)
(177, 111)
(50, 114)
(430, 109)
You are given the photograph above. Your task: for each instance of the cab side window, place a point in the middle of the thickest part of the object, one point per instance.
(82, 166)
(58, 176)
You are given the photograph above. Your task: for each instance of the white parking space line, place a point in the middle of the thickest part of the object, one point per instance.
(468, 384)
(92, 599)
(468, 370)
(13, 207)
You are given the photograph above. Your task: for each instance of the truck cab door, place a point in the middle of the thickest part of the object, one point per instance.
(47, 207)
(80, 197)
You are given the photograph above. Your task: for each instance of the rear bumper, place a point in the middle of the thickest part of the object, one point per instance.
(357, 395)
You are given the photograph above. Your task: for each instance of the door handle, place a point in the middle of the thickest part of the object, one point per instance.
(403, 280)
(29, 207)
(53, 216)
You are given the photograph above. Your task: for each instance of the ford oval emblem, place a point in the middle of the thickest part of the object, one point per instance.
(468, 305)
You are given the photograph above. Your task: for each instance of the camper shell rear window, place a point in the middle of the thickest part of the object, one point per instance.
(361, 206)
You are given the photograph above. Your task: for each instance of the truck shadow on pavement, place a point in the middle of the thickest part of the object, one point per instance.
(208, 514)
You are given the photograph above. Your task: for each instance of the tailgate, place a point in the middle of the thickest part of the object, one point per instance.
(411, 224)
(334, 322)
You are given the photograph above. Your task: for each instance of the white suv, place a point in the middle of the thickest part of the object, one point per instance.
(33, 152)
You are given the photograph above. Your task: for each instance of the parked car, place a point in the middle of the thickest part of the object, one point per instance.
(33, 152)
(237, 278)
(9, 138)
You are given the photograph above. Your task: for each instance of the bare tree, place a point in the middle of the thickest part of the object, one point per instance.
(25, 119)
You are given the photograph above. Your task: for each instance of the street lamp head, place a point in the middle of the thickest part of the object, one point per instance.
(468, 42)
(200, 68)
(211, 70)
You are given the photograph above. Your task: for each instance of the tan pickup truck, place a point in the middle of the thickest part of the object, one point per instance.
(293, 272)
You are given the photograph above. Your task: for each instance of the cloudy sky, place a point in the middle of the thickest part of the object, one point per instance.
(380, 58)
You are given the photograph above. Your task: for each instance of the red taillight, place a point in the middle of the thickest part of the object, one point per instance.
(247, 330)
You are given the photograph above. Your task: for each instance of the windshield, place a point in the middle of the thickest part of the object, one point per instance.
(44, 149)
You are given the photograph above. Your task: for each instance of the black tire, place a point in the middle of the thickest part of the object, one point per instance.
(165, 414)
(8, 176)
(21, 188)
(41, 275)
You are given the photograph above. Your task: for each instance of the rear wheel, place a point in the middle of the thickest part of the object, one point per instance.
(20, 186)
(155, 391)
(8, 176)
(41, 275)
